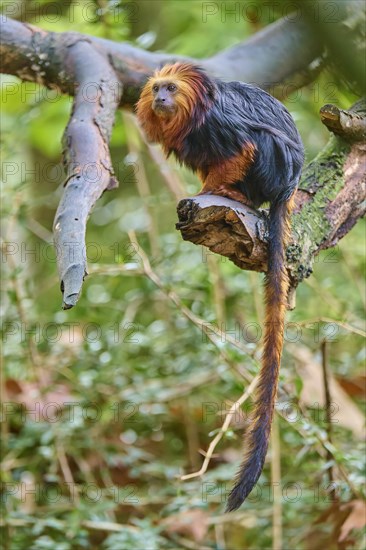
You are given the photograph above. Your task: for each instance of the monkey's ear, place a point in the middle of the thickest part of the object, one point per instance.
(209, 84)
(212, 90)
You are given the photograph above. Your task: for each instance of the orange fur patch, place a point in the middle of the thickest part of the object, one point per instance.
(218, 177)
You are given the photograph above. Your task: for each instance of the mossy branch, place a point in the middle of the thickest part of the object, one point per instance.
(330, 200)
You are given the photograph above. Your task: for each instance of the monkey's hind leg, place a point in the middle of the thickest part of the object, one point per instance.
(226, 191)
(221, 179)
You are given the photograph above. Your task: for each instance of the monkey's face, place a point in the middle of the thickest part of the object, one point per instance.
(173, 100)
(164, 98)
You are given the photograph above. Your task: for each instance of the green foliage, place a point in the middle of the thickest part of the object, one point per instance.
(108, 404)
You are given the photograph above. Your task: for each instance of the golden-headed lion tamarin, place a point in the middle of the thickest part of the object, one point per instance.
(243, 144)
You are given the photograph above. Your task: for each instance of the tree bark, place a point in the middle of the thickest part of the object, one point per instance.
(87, 163)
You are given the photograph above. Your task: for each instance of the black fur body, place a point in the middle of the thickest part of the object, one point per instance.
(242, 113)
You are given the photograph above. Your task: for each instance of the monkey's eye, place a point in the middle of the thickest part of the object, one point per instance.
(172, 87)
(155, 88)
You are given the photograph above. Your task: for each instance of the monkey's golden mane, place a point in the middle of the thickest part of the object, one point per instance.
(192, 100)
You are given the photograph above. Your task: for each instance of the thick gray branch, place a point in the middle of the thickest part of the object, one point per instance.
(87, 161)
(276, 54)
(281, 51)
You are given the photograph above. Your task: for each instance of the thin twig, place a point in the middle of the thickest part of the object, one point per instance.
(142, 183)
(218, 285)
(345, 326)
(220, 536)
(233, 410)
(328, 419)
(66, 472)
(93, 525)
(191, 433)
(18, 288)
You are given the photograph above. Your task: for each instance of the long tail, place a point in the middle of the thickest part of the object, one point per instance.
(276, 287)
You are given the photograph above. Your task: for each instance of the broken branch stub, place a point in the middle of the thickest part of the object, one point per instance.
(226, 227)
